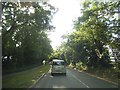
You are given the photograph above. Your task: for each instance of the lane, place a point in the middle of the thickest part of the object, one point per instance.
(91, 81)
(59, 81)
(74, 79)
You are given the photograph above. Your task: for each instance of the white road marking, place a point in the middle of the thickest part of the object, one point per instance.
(80, 81)
(101, 78)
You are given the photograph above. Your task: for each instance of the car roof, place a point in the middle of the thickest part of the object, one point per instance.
(58, 60)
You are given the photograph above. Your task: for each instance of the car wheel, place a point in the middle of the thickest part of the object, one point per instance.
(64, 74)
(52, 74)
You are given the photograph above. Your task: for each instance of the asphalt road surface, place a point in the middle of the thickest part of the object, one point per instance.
(73, 79)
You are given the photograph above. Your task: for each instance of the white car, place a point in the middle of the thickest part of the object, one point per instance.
(58, 66)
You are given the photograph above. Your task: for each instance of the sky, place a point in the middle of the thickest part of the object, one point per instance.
(68, 10)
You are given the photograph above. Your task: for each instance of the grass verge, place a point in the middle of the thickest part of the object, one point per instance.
(108, 74)
(23, 79)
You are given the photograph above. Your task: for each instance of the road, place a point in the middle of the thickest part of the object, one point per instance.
(73, 79)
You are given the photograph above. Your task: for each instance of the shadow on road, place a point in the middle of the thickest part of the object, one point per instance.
(59, 74)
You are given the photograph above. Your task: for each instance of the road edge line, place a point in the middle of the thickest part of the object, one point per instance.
(80, 81)
(37, 80)
(99, 78)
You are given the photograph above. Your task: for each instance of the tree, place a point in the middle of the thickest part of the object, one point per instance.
(24, 36)
(94, 30)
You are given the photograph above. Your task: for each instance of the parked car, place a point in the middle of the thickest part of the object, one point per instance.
(58, 67)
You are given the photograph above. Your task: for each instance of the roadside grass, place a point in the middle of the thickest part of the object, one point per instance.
(105, 73)
(6, 71)
(23, 79)
(109, 74)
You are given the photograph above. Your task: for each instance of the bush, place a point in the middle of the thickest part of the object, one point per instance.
(80, 66)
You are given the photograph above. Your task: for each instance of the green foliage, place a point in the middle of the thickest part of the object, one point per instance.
(24, 37)
(94, 30)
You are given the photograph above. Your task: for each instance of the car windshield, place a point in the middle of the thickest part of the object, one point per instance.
(58, 63)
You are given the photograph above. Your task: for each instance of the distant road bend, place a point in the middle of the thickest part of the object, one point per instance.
(73, 79)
